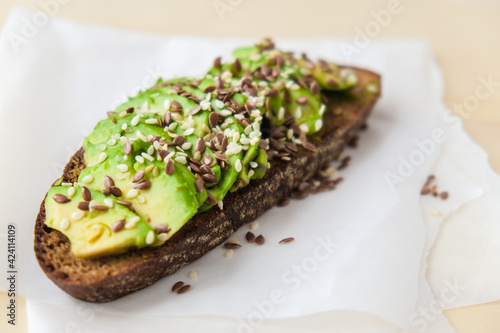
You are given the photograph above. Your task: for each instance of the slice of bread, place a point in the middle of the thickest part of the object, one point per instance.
(111, 277)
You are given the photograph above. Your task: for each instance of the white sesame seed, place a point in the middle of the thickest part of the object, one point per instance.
(254, 225)
(77, 216)
(226, 113)
(156, 145)
(281, 113)
(71, 192)
(149, 168)
(132, 193)
(318, 124)
(166, 104)
(102, 157)
(304, 128)
(221, 205)
(66, 184)
(186, 145)
(244, 140)
(254, 164)
(295, 86)
(120, 176)
(236, 137)
(123, 139)
(108, 202)
(88, 179)
(189, 131)
(298, 112)
(111, 142)
(162, 237)
(151, 121)
(289, 84)
(122, 167)
(92, 204)
(65, 224)
(205, 105)
(180, 159)
(219, 104)
(255, 134)
(172, 127)
(148, 157)
(169, 156)
(101, 147)
(205, 128)
(141, 136)
(228, 253)
(193, 274)
(322, 109)
(250, 173)
(123, 114)
(135, 120)
(141, 199)
(156, 172)
(124, 126)
(151, 149)
(132, 222)
(139, 159)
(150, 238)
(238, 165)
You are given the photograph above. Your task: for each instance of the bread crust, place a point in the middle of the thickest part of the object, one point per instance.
(107, 278)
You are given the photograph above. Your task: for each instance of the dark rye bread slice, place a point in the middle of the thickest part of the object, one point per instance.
(108, 278)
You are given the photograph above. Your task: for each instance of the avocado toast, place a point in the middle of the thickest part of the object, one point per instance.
(174, 171)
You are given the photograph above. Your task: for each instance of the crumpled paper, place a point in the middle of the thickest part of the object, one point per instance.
(359, 259)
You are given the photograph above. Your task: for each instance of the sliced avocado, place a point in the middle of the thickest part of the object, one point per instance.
(93, 232)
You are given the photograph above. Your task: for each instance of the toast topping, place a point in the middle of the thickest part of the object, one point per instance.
(211, 135)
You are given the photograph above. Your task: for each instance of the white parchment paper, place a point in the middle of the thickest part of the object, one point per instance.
(359, 259)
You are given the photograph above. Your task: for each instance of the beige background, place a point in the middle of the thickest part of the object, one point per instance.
(463, 35)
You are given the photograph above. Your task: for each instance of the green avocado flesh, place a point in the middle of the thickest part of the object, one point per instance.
(176, 149)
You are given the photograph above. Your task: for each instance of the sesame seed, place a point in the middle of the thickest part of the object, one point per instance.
(132, 194)
(147, 156)
(141, 199)
(71, 192)
(162, 237)
(132, 222)
(151, 121)
(221, 205)
(304, 128)
(65, 224)
(250, 173)
(150, 238)
(166, 104)
(141, 136)
(151, 149)
(298, 112)
(226, 113)
(101, 147)
(88, 179)
(108, 202)
(193, 274)
(318, 124)
(77, 216)
(111, 142)
(102, 157)
(172, 126)
(123, 114)
(281, 113)
(140, 159)
(180, 159)
(124, 126)
(189, 131)
(122, 167)
(254, 225)
(322, 109)
(135, 120)
(238, 166)
(228, 253)
(186, 145)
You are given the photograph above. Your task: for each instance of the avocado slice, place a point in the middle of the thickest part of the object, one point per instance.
(109, 228)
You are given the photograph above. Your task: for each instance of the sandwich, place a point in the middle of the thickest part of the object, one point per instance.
(174, 171)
